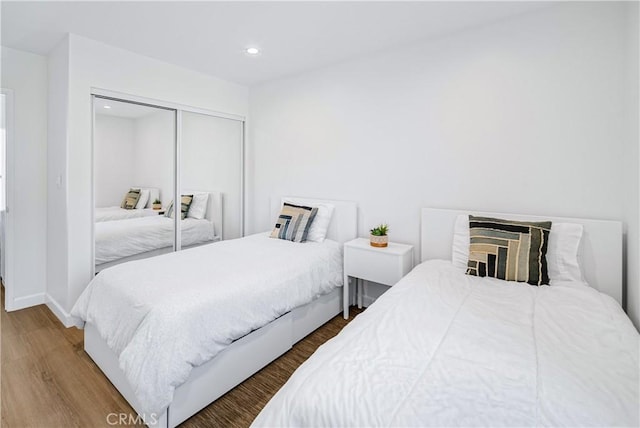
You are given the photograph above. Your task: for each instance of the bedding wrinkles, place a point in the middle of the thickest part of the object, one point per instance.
(165, 315)
(441, 348)
(117, 213)
(123, 238)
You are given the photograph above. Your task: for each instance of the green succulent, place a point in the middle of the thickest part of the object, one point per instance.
(157, 201)
(380, 230)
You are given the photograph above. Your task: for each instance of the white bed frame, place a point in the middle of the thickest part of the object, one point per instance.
(243, 357)
(213, 214)
(600, 252)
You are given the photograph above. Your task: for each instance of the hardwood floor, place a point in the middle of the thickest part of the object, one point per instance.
(47, 380)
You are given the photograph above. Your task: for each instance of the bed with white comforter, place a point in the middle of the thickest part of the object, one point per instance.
(441, 348)
(123, 238)
(117, 213)
(165, 315)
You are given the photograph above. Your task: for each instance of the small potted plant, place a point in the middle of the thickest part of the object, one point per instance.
(157, 204)
(378, 237)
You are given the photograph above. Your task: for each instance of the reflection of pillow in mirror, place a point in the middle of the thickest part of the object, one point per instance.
(320, 225)
(130, 199)
(144, 198)
(185, 202)
(198, 208)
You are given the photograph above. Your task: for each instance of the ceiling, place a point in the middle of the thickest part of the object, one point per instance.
(210, 37)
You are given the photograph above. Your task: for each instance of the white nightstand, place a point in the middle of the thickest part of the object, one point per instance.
(382, 265)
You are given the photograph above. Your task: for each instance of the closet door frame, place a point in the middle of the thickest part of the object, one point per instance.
(178, 109)
(9, 189)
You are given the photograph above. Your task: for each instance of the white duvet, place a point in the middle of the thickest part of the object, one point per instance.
(117, 213)
(444, 349)
(122, 238)
(165, 315)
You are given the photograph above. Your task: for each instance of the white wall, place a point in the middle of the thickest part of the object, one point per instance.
(523, 115)
(154, 153)
(57, 143)
(26, 75)
(115, 162)
(96, 65)
(211, 159)
(631, 165)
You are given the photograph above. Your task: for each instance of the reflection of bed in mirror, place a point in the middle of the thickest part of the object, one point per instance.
(117, 213)
(125, 240)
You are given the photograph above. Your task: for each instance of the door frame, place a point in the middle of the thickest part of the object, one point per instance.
(8, 248)
(178, 108)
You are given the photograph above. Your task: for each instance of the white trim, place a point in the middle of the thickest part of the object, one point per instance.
(177, 192)
(57, 309)
(93, 186)
(164, 104)
(28, 301)
(8, 250)
(243, 161)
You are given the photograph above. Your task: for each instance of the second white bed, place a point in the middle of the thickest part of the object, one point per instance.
(166, 315)
(116, 213)
(442, 348)
(123, 238)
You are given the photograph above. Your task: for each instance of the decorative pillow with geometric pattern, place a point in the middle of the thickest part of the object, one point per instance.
(509, 250)
(185, 203)
(294, 222)
(130, 199)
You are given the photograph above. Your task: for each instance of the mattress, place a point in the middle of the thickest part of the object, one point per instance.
(165, 315)
(122, 238)
(441, 348)
(117, 213)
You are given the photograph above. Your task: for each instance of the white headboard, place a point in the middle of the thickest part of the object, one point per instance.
(600, 252)
(344, 221)
(214, 209)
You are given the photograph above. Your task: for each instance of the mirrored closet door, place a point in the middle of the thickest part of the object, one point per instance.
(210, 178)
(144, 157)
(134, 180)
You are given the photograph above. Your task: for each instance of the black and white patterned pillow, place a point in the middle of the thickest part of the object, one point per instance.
(294, 222)
(509, 250)
(130, 199)
(185, 203)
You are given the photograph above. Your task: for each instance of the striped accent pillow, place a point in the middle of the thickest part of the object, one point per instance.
(130, 199)
(185, 203)
(294, 222)
(509, 250)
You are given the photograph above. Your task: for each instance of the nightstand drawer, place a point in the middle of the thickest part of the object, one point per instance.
(376, 267)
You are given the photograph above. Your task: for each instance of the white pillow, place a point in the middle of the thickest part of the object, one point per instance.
(320, 224)
(198, 208)
(460, 249)
(143, 199)
(562, 251)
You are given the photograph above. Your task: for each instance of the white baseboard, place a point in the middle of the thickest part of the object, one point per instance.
(25, 302)
(59, 312)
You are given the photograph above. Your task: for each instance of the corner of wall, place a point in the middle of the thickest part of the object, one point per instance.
(57, 136)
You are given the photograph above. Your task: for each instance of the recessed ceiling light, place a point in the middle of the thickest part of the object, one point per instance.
(252, 51)
(107, 107)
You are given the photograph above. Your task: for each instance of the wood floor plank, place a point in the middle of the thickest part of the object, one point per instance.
(47, 380)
